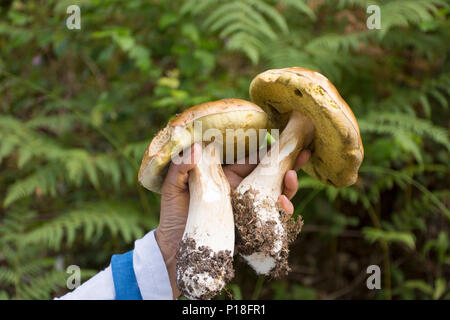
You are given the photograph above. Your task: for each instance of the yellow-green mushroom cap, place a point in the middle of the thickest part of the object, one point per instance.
(337, 149)
(179, 134)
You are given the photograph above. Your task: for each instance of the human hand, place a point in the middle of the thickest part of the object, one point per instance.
(175, 202)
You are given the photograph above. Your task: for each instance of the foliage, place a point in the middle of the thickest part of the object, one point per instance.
(78, 108)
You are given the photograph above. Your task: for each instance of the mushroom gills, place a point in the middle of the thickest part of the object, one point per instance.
(205, 255)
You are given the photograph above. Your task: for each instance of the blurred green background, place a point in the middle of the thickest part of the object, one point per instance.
(78, 108)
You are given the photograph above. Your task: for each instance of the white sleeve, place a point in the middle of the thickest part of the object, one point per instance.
(150, 271)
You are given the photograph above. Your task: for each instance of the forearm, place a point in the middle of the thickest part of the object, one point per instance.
(169, 256)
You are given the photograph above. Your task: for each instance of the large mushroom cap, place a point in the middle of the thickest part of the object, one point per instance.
(179, 134)
(337, 149)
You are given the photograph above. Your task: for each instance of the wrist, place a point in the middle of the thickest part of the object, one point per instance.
(168, 251)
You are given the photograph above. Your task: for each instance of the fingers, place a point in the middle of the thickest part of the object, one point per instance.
(290, 184)
(241, 169)
(178, 173)
(286, 204)
(302, 158)
(238, 171)
(290, 188)
(234, 179)
(290, 179)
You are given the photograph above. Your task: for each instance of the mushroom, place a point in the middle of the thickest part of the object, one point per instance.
(205, 254)
(314, 116)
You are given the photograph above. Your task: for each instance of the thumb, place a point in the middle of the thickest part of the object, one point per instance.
(178, 173)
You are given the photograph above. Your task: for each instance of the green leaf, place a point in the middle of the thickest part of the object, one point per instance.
(374, 235)
(419, 285)
(439, 288)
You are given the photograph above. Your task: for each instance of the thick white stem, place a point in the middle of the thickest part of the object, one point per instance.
(206, 250)
(257, 195)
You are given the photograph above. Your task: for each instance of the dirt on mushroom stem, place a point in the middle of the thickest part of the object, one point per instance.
(256, 236)
(200, 264)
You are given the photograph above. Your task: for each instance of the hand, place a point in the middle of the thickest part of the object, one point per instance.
(175, 202)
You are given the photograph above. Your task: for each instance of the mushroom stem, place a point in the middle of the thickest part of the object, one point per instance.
(263, 229)
(205, 255)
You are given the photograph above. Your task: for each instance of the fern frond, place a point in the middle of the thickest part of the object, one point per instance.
(350, 193)
(44, 180)
(339, 42)
(245, 25)
(195, 6)
(386, 178)
(373, 235)
(356, 3)
(119, 219)
(78, 163)
(41, 287)
(56, 123)
(271, 13)
(301, 6)
(7, 276)
(402, 13)
(396, 123)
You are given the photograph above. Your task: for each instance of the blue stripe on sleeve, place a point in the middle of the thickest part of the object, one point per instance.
(125, 282)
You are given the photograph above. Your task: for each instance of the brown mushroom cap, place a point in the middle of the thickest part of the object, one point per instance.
(337, 149)
(179, 134)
